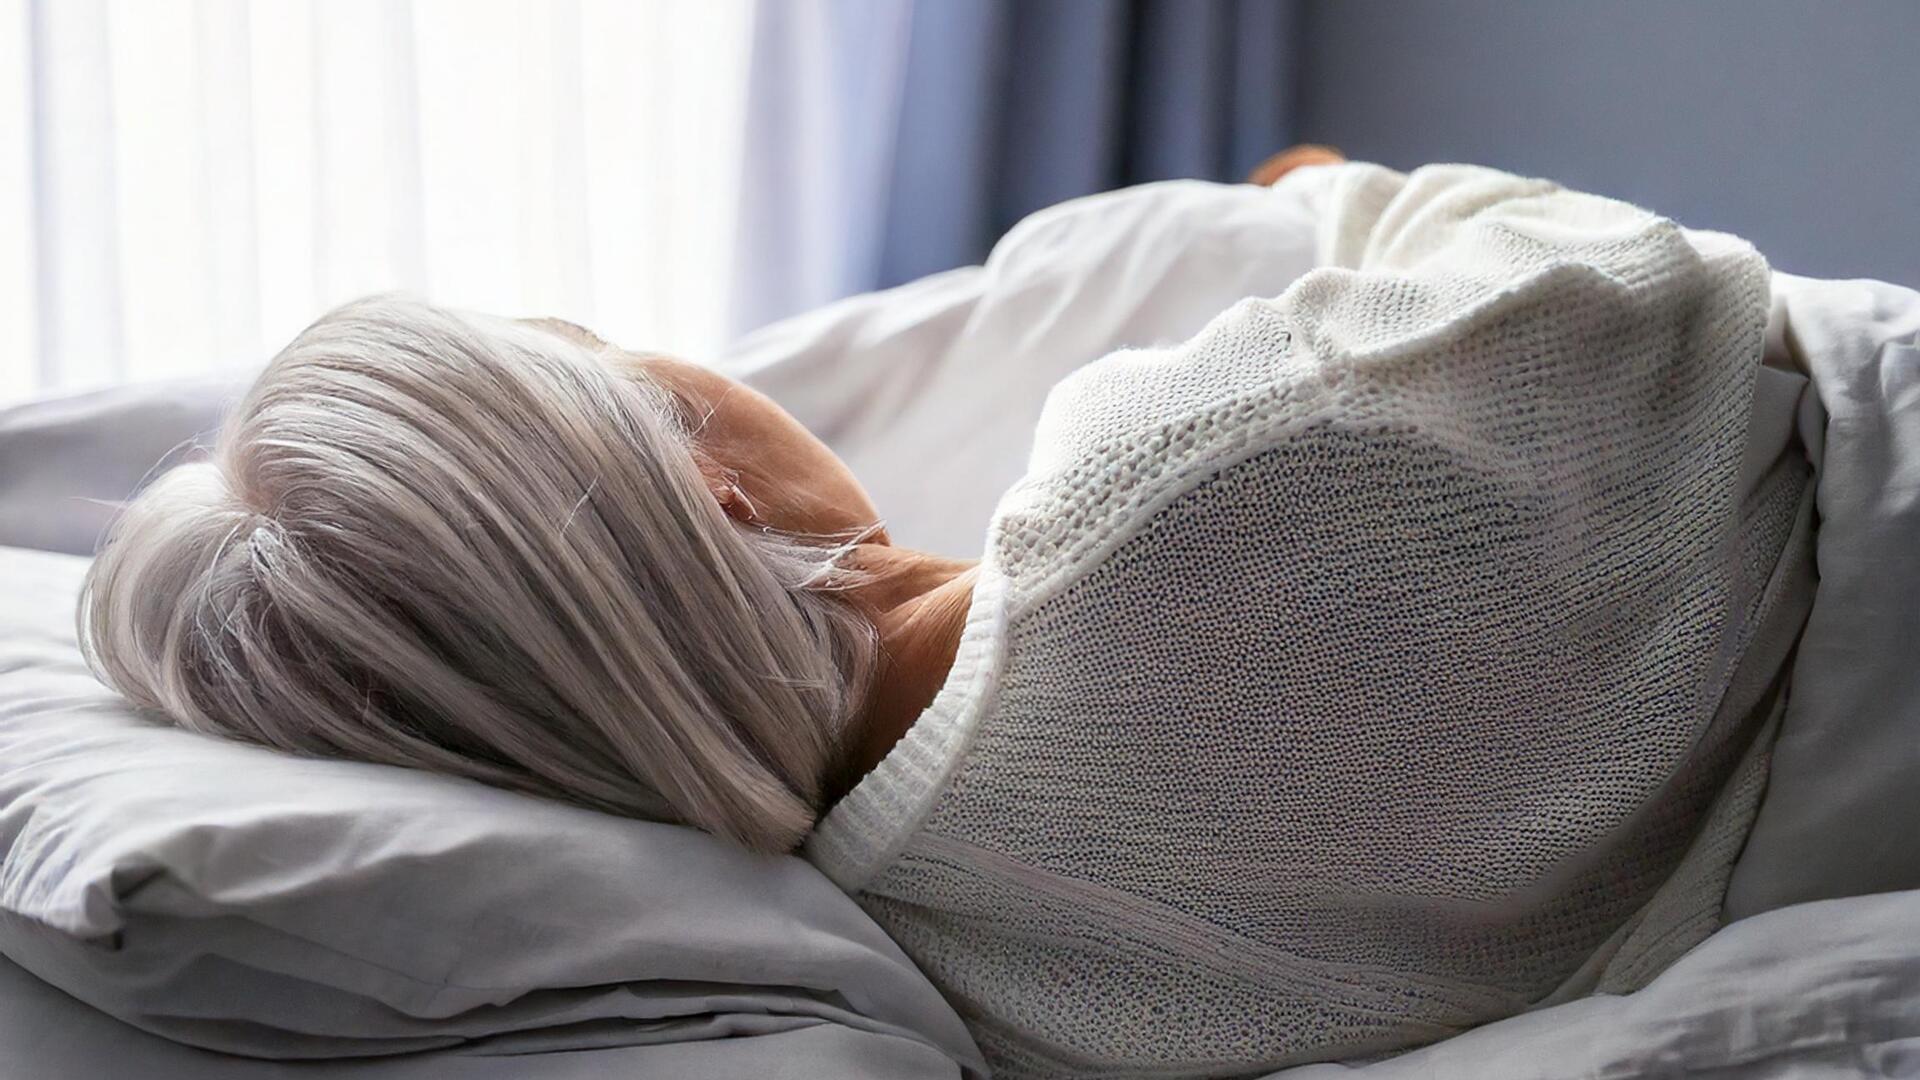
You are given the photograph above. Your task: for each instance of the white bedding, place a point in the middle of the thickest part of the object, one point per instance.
(930, 391)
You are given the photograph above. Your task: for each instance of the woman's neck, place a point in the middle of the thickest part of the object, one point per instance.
(918, 605)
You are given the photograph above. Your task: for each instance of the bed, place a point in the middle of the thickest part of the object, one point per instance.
(171, 908)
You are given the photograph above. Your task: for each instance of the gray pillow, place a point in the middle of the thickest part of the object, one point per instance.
(1842, 806)
(252, 902)
(66, 462)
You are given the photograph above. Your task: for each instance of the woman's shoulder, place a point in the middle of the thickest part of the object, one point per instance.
(1121, 437)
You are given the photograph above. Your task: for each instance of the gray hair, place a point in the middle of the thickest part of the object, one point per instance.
(462, 544)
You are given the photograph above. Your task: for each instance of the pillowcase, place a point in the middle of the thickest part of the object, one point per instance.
(1841, 805)
(66, 462)
(248, 901)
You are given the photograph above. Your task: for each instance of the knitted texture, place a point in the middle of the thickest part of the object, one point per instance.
(1352, 673)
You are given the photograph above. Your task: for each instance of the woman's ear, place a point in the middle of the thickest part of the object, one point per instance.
(724, 484)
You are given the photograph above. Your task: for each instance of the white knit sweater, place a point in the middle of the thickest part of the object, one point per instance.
(1363, 668)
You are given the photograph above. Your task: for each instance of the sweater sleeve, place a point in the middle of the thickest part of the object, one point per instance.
(1344, 200)
(1376, 219)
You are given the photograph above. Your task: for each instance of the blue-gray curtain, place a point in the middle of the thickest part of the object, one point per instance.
(1011, 106)
(889, 139)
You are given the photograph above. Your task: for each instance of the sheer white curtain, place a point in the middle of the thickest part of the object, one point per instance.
(823, 115)
(192, 181)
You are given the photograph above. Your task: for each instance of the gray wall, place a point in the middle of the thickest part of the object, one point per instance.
(1795, 123)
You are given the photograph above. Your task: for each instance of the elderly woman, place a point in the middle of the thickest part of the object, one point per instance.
(1382, 660)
